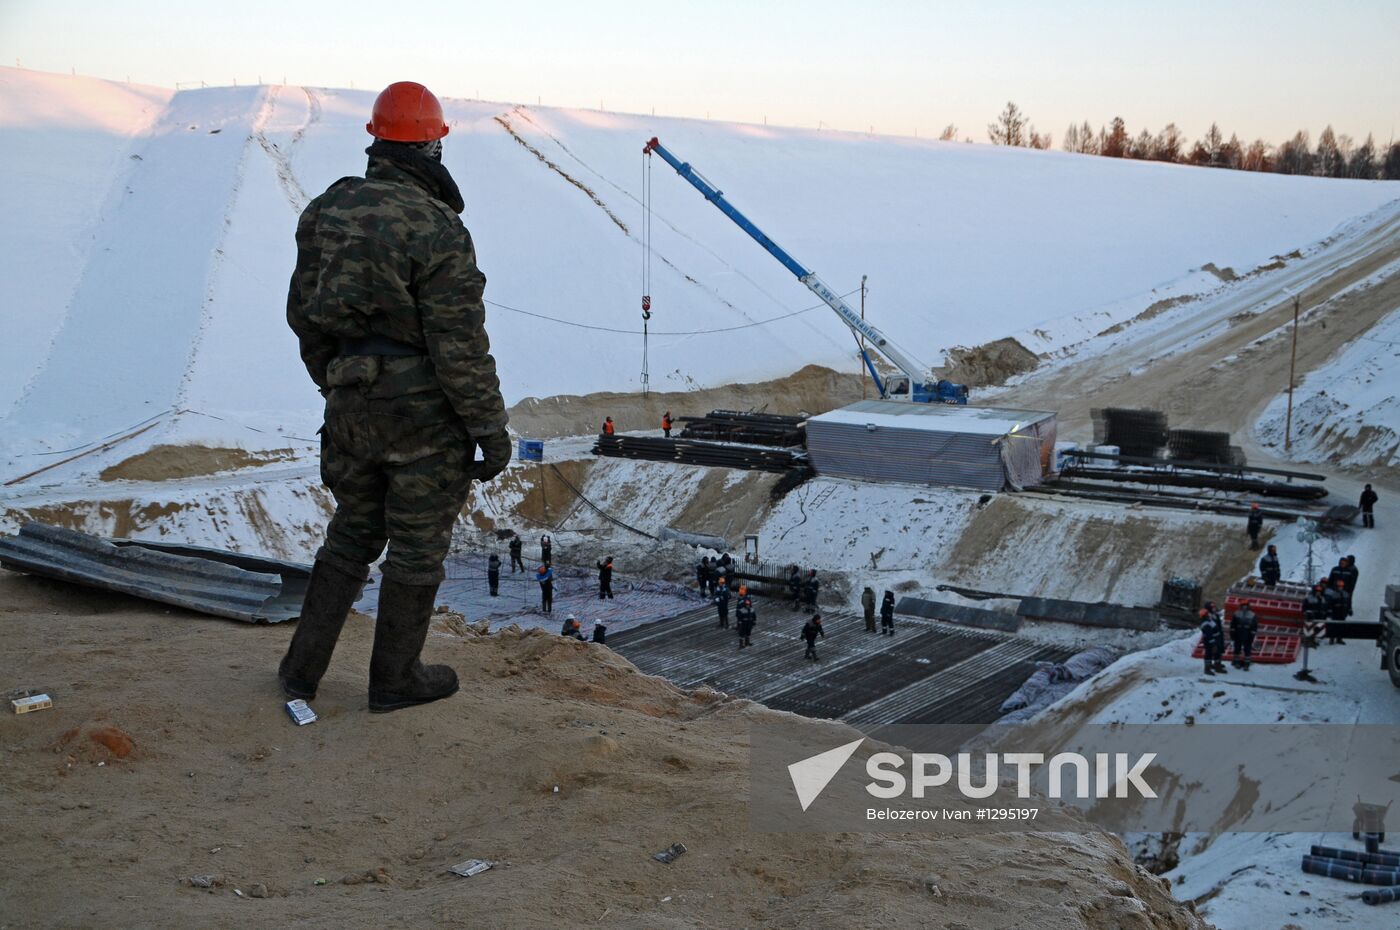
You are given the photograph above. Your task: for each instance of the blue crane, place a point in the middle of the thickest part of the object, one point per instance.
(917, 384)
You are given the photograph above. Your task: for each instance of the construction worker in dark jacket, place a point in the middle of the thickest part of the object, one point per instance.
(810, 587)
(1244, 623)
(867, 604)
(1352, 576)
(1335, 596)
(545, 576)
(702, 575)
(887, 614)
(722, 602)
(517, 547)
(546, 550)
(605, 570)
(1269, 569)
(1254, 525)
(572, 628)
(493, 574)
(1213, 639)
(600, 633)
(386, 303)
(1368, 506)
(810, 631)
(794, 584)
(744, 617)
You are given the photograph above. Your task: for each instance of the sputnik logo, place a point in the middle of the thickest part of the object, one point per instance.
(811, 775)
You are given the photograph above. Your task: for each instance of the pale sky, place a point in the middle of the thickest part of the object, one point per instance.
(1258, 68)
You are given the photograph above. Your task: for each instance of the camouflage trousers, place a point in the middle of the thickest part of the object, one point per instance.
(400, 472)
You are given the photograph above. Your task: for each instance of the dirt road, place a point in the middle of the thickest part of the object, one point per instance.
(1204, 369)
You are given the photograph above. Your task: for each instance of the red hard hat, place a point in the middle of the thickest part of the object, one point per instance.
(407, 112)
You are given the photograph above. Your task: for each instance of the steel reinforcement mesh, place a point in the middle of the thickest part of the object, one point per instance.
(1193, 445)
(1141, 433)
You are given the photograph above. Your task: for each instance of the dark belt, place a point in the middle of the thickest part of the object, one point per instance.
(378, 345)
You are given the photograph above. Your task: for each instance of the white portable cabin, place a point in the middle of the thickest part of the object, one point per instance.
(986, 448)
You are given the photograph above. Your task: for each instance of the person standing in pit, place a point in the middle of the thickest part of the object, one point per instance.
(608, 428)
(722, 602)
(1254, 525)
(517, 548)
(1368, 506)
(546, 550)
(867, 603)
(744, 617)
(1352, 576)
(1335, 596)
(794, 584)
(1243, 625)
(605, 573)
(1213, 638)
(810, 631)
(1269, 568)
(887, 614)
(545, 576)
(666, 425)
(810, 588)
(493, 574)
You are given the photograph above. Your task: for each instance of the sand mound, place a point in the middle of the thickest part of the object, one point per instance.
(990, 363)
(221, 813)
(166, 462)
(813, 389)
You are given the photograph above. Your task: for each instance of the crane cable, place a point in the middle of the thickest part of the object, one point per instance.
(646, 270)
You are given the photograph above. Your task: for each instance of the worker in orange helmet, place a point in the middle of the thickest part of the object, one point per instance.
(386, 304)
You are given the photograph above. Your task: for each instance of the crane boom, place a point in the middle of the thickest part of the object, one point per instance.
(920, 384)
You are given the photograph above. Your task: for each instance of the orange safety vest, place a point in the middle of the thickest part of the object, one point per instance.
(607, 428)
(666, 422)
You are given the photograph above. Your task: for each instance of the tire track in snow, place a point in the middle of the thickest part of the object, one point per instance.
(296, 195)
(216, 258)
(505, 124)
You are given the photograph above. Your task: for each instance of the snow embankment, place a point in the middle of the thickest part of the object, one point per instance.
(1348, 411)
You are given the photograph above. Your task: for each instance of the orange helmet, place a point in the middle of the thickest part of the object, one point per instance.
(407, 112)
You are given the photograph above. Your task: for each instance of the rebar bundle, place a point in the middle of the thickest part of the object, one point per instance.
(692, 452)
(1135, 432)
(1196, 445)
(767, 429)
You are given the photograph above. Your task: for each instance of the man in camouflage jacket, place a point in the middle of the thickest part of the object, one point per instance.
(386, 303)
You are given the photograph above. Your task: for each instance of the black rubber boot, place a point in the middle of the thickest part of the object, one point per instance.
(1209, 669)
(330, 594)
(396, 678)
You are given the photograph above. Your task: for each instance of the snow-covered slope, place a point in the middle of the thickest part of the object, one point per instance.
(1349, 410)
(152, 238)
(66, 143)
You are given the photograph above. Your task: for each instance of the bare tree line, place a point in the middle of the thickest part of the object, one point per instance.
(1334, 156)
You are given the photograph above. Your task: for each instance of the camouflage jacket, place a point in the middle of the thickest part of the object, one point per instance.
(382, 256)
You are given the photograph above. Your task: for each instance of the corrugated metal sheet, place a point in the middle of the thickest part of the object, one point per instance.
(985, 448)
(211, 581)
